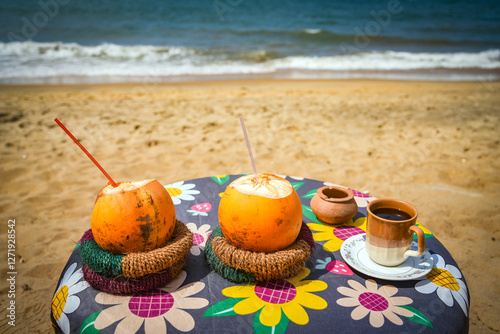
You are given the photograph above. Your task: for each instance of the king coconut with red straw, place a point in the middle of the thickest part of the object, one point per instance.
(130, 217)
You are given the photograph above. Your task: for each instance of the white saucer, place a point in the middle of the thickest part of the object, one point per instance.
(353, 251)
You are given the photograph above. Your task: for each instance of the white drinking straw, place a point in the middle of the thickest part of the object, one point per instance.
(249, 149)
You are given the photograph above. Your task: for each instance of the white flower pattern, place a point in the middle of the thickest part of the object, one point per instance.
(376, 303)
(152, 308)
(200, 237)
(445, 280)
(64, 300)
(180, 191)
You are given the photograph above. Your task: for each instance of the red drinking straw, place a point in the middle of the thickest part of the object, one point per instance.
(86, 152)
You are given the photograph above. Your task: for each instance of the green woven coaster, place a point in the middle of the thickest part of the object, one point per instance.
(229, 273)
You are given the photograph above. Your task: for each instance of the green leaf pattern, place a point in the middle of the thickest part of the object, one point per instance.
(418, 317)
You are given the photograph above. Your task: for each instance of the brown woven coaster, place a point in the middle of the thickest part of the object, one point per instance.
(145, 263)
(266, 266)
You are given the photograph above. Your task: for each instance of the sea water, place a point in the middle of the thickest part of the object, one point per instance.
(65, 41)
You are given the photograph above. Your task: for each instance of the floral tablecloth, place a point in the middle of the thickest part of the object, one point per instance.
(326, 296)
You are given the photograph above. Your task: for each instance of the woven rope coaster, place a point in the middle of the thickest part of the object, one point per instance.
(129, 286)
(243, 266)
(136, 265)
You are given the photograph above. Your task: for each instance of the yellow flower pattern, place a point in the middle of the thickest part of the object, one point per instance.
(335, 235)
(288, 297)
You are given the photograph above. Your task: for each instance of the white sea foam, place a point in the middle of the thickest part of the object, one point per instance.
(312, 31)
(391, 60)
(25, 61)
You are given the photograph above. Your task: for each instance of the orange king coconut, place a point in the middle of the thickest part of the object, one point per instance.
(263, 216)
(133, 217)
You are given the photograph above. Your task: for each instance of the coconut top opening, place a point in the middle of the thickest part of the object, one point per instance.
(123, 187)
(270, 186)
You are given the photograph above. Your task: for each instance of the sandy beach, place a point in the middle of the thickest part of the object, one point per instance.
(433, 144)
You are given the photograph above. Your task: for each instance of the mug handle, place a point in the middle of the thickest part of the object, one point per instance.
(421, 242)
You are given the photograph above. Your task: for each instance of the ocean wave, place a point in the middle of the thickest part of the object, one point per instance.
(391, 60)
(30, 50)
(39, 60)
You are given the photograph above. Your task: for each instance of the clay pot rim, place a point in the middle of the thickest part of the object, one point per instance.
(350, 194)
(404, 203)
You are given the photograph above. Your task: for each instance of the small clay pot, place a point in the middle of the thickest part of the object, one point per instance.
(334, 205)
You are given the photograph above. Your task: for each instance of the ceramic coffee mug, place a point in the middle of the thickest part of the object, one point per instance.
(390, 226)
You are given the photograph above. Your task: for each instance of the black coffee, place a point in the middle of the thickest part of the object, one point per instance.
(391, 214)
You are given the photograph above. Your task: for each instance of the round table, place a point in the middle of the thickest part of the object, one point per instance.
(326, 296)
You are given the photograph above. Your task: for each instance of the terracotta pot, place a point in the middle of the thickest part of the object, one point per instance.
(334, 205)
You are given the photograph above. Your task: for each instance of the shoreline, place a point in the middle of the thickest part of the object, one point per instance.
(433, 144)
(206, 82)
(430, 75)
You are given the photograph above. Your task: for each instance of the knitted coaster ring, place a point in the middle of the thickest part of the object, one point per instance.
(136, 265)
(130, 286)
(243, 266)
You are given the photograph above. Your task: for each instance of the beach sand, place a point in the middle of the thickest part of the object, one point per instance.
(434, 144)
